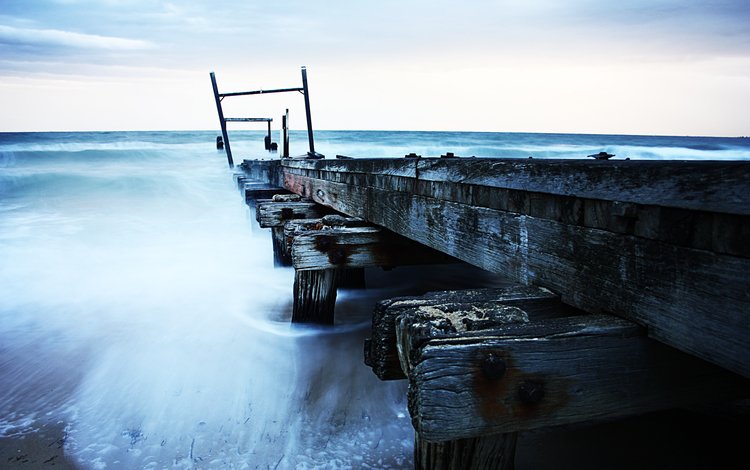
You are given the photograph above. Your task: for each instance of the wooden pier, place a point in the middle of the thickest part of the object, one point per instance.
(633, 285)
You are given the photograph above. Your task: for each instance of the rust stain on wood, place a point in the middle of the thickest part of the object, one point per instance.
(337, 254)
(506, 397)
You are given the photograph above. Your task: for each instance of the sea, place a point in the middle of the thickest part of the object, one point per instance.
(144, 326)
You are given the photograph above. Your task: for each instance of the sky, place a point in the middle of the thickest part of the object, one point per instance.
(655, 67)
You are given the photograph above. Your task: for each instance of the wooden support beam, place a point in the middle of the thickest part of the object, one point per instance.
(276, 212)
(281, 254)
(529, 375)
(359, 247)
(258, 191)
(493, 451)
(658, 273)
(293, 227)
(264, 171)
(381, 352)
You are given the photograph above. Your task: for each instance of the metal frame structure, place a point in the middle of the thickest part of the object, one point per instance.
(223, 120)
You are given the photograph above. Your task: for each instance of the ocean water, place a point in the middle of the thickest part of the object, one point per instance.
(142, 320)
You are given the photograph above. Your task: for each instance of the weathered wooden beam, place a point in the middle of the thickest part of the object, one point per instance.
(692, 299)
(359, 247)
(257, 191)
(381, 352)
(265, 171)
(675, 213)
(715, 186)
(277, 211)
(495, 451)
(529, 375)
(293, 227)
(347, 278)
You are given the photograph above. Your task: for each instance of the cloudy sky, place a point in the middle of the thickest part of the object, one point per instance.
(679, 67)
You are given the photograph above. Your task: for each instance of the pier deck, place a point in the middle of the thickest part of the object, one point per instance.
(643, 266)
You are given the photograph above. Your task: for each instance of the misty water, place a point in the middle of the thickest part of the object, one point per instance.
(142, 320)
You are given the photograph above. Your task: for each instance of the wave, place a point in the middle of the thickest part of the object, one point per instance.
(249, 144)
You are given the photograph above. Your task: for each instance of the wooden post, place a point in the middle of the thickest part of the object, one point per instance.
(495, 452)
(281, 255)
(314, 296)
(222, 121)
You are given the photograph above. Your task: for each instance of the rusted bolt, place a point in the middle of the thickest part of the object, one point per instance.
(493, 367)
(531, 392)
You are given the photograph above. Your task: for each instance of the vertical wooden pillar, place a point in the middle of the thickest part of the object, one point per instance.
(281, 253)
(314, 296)
(493, 452)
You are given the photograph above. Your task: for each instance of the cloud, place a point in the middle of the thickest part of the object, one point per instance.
(45, 38)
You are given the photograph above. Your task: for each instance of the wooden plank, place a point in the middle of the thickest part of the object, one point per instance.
(270, 213)
(381, 352)
(694, 300)
(266, 171)
(722, 232)
(559, 371)
(362, 166)
(718, 186)
(359, 247)
(255, 191)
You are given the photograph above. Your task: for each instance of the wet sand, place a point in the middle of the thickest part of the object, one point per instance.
(676, 439)
(41, 449)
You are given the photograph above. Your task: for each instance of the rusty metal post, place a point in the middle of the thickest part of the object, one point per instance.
(306, 92)
(222, 121)
(285, 135)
